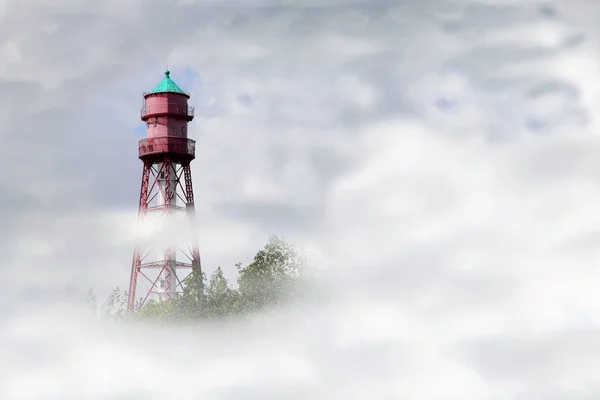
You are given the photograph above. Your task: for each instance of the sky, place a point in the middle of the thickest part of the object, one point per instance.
(439, 160)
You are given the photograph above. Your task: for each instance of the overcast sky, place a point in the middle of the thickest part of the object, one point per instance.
(440, 159)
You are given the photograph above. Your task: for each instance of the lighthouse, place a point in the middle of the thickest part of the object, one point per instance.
(166, 249)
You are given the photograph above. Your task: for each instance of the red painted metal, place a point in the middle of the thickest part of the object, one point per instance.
(169, 104)
(183, 147)
(165, 109)
(166, 151)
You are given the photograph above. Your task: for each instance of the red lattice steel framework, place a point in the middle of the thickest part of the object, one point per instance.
(166, 155)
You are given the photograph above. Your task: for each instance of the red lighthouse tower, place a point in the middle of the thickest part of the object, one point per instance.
(166, 197)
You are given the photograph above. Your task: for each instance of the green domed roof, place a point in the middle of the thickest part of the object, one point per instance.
(167, 85)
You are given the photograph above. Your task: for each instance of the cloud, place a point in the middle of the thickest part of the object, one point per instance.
(437, 158)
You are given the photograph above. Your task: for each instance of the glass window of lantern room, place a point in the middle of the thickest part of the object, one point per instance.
(155, 123)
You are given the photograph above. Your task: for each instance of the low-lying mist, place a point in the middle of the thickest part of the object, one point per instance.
(446, 271)
(473, 280)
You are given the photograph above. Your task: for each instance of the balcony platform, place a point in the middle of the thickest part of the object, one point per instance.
(182, 148)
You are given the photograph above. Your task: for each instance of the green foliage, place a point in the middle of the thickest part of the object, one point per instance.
(277, 275)
(271, 279)
(115, 306)
(221, 301)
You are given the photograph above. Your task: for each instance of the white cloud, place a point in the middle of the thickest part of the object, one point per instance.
(438, 159)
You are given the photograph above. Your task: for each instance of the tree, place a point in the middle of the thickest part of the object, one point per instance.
(277, 275)
(190, 306)
(115, 305)
(221, 300)
(272, 278)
